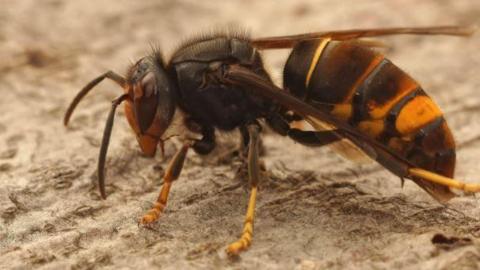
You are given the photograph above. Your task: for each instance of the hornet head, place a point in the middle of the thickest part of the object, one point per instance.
(149, 96)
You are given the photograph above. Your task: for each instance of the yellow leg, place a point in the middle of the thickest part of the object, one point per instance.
(247, 234)
(153, 214)
(173, 171)
(254, 175)
(442, 180)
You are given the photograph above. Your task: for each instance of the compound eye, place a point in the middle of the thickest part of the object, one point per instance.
(149, 85)
(145, 101)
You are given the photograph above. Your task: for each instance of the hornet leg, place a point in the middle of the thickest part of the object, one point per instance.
(445, 181)
(280, 124)
(254, 175)
(173, 172)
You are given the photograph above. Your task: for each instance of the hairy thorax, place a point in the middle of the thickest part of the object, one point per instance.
(206, 100)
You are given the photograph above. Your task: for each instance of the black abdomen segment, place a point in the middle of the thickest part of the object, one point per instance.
(361, 87)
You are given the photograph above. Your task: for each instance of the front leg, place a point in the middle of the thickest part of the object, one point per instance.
(173, 172)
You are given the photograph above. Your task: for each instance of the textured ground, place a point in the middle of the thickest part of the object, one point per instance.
(314, 210)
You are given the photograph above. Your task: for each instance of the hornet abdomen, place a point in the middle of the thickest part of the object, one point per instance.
(364, 89)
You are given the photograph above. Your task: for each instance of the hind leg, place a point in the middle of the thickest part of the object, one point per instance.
(280, 124)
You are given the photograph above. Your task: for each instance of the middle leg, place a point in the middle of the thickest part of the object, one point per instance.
(245, 239)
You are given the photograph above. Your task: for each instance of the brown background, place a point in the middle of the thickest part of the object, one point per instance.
(314, 210)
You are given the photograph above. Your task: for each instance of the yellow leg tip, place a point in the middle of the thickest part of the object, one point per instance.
(238, 246)
(234, 248)
(148, 219)
(473, 188)
(152, 215)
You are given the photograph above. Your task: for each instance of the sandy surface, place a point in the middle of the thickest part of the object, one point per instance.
(314, 210)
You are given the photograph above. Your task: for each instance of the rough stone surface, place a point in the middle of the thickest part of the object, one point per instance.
(315, 210)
